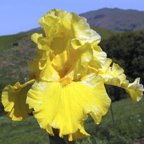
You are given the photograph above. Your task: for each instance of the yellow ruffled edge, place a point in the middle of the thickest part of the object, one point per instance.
(135, 90)
(13, 100)
(114, 75)
(75, 26)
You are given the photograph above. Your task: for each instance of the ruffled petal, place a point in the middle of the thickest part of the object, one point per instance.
(115, 76)
(59, 62)
(112, 75)
(65, 107)
(42, 69)
(67, 48)
(63, 29)
(79, 67)
(99, 59)
(82, 32)
(49, 73)
(14, 100)
(135, 90)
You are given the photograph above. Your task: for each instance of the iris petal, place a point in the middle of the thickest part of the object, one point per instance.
(115, 76)
(135, 90)
(14, 98)
(66, 107)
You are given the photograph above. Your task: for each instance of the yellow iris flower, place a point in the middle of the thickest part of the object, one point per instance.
(69, 71)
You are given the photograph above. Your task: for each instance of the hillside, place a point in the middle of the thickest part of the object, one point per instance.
(116, 19)
(15, 53)
(9, 41)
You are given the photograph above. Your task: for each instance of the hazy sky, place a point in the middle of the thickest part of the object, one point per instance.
(22, 15)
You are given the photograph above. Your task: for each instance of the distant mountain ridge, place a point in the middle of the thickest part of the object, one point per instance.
(116, 19)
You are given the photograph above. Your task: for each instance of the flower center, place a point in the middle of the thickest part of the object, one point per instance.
(65, 81)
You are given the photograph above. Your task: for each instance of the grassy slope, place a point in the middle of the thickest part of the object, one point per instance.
(13, 61)
(6, 42)
(128, 125)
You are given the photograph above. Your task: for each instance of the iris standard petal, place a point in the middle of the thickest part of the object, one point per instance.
(82, 32)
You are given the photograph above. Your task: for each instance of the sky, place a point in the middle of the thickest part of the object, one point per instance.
(23, 15)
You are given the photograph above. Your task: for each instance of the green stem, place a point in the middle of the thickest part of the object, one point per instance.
(112, 114)
(56, 140)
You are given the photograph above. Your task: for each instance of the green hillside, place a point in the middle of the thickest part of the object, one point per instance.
(8, 41)
(128, 127)
(14, 59)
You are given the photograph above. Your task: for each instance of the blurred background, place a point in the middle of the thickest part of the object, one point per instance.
(121, 26)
